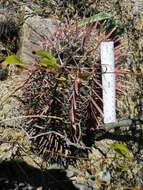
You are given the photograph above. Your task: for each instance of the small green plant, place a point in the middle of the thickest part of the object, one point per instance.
(98, 17)
(121, 150)
(47, 60)
(12, 59)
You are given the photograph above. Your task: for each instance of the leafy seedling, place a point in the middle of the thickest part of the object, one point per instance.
(47, 60)
(122, 150)
(98, 17)
(12, 59)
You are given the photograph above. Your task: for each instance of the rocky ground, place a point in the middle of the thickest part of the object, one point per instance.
(103, 168)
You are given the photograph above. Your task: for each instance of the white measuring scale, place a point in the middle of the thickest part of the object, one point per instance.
(108, 81)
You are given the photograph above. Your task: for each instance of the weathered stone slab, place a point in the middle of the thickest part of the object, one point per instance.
(33, 32)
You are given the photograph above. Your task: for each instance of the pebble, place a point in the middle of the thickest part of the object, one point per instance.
(105, 176)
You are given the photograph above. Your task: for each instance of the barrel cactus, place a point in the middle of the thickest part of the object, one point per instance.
(68, 97)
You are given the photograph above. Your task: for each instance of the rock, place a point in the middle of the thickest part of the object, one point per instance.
(3, 13)
(33, 32)
(7, 150)
(84, 186)
(55, 166)
(10, 107)
(137, 7)
(105, 176)
(39, 188)
(15, 184)
(69, 173)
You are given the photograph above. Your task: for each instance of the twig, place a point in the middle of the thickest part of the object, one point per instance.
(123, 123)
(68, 142)
(31, 116)
(22, 117)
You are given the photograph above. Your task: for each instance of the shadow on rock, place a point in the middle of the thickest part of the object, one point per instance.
(19, 175)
